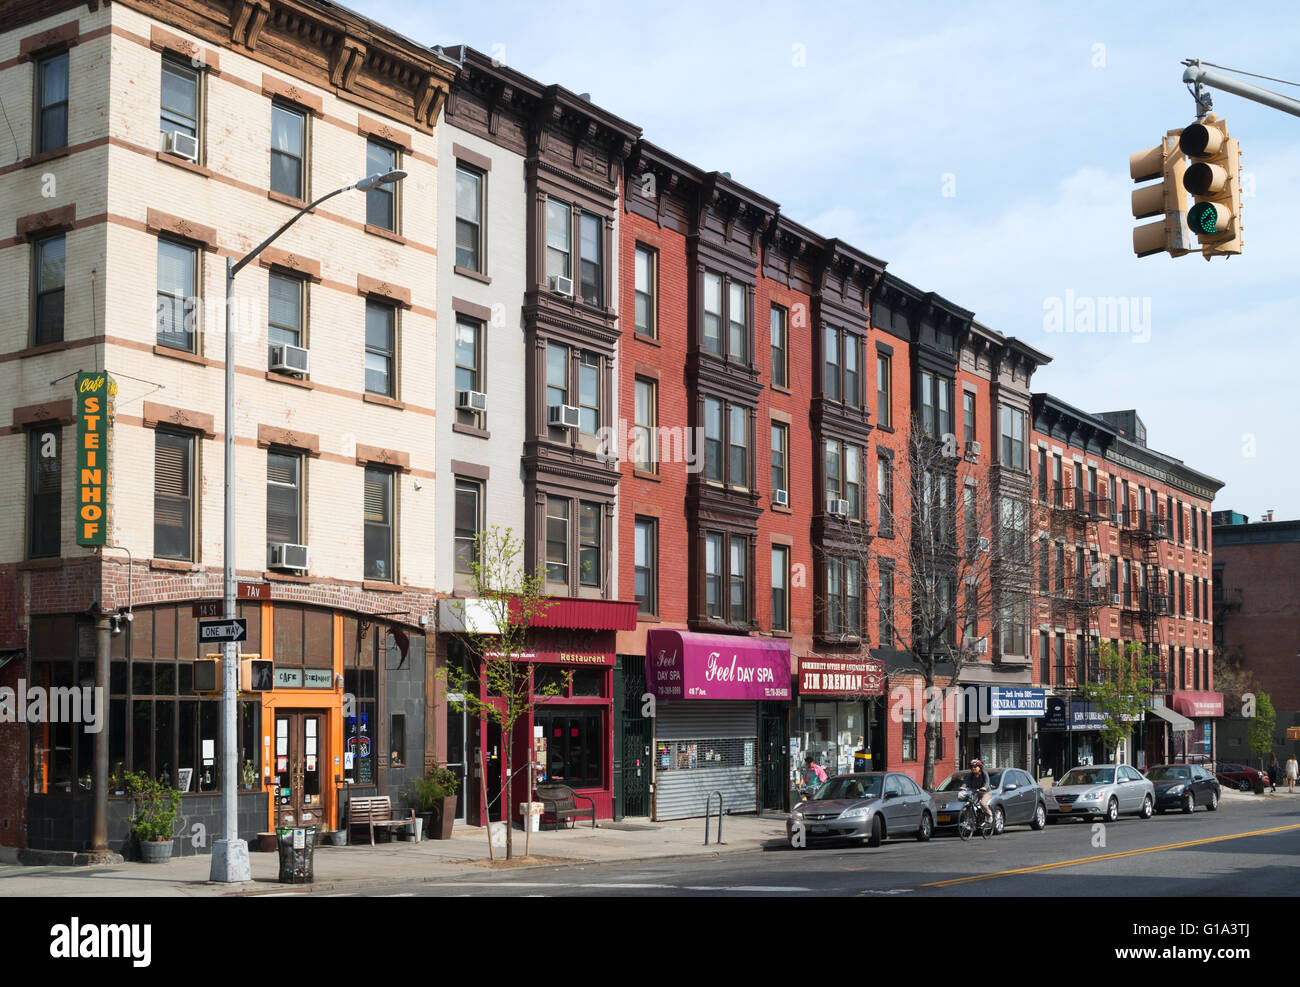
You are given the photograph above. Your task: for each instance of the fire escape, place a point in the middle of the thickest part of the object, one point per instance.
(1141, 533)
(1077, 591)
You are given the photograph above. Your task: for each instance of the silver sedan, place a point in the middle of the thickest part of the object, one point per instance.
(871, 806)
(1104, 791)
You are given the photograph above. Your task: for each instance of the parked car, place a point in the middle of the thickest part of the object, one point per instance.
(1184, 786)
(869, 805)
(1015, 798)
(1101, 790)
(1239, 776)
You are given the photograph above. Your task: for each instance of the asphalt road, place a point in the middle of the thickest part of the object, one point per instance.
(1243, 849)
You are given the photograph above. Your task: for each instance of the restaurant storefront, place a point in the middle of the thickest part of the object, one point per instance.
(840, 713)
(1203, 709)
(708, 689)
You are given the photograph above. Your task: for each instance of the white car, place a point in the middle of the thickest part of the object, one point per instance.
(1104, 791)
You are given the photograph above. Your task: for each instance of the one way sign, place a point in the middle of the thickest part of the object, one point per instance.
(235, 629)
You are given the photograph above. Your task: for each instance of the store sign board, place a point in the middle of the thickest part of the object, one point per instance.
(576, 658)
(96, 404)
(682, 665)
(1010, 703)
(820, 676)
(1198, 704)
(317, 678)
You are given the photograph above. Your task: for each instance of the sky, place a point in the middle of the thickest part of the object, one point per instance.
(982, 151)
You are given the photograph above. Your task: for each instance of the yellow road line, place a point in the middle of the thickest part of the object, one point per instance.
(1106, 856)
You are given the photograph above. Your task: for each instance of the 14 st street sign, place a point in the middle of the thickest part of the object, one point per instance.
(212, 631)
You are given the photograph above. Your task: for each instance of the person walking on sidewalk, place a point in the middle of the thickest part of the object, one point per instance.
(1292, 772)
(1274, 771)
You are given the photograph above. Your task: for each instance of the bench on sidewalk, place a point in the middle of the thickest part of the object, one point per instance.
(559, 803)
(377, 813)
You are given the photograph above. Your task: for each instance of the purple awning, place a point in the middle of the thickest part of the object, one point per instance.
(681, 665)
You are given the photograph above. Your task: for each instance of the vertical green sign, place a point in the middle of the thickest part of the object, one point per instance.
(96, 397)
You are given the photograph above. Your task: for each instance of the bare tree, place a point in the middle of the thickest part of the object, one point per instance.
(948, 568)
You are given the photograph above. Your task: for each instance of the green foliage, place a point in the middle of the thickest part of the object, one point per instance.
(428, 792)
(1122, 688)
(155, 807)
(1259, 731)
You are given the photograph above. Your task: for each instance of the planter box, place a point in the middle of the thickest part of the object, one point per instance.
(444, 817)
(155, 851)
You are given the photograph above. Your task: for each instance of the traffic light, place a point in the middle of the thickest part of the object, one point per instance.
(255, 673)
(1167, 199)
(1214, 180)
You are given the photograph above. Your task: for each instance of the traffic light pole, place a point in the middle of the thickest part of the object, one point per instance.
(1198, 76)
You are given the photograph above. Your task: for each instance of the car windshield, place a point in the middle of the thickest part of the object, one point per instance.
(1167, 772)
(956, 781)
(849, 788)
(1089, 776)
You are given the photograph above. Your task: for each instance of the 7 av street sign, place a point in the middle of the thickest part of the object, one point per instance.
(211, 631)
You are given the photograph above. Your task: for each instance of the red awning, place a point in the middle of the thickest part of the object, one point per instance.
(1198, 704)
(588, 615)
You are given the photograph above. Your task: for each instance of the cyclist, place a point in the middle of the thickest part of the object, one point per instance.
(978, 781)
(813, 777)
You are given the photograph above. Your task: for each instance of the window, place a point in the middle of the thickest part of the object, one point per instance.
(886, 601)
(284, 310)
(726, 427)
(397, 740)
(589, 391)
(936, 405)
(179, 106)
(735, 314)
(469, 218)
(469, 519)
(469, 366)
(647, 278)
(173, 495)
(726, 592)
(575, 744)
(1057, 499)
(645, 565)
(288, 152)
(968, 416)
(884, 390)
(780, 465)
(50, 272)
(1042, 475)
(1045, 566)
(557, 540)
(780, 588)
(843, 597)
(885, 494)
(1015, 530)
(379, 525)
(44, 493)
(909, 737)
(738, 444)
(591, 282)
(178, 266)
(1013, 438)
(713, 603)
(1015, 615)
(737, 581)
(833, 383)
(283, 499)
(52, 103)
(844, 475)
(589, 532)
(1044, 658)
(381, 201)
(970, 520)
(778, 320)
(381, 336)
(559, 235)
(643, 426)
(557, 375)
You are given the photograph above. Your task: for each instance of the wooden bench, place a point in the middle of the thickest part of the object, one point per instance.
(559, 803)
(377, 813)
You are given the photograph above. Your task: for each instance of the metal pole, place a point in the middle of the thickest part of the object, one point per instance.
(229, 854)
(99, 828)
(1217, 80)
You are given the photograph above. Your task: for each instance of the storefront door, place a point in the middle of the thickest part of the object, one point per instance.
(299, 757)
(774, 768)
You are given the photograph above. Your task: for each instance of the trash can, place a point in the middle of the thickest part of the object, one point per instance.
(297, 854)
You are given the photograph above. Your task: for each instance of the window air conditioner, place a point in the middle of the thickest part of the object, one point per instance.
(471, 401)
(1115, 599)
(285, 556)
(289, 359)
(561, 286)
(182, 145)
(781, 498)
(973, 450)
(837, 506)
(563, 416)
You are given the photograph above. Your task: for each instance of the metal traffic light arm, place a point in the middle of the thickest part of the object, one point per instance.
(1198, 76)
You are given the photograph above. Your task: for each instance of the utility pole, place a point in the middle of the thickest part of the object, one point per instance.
(1197, 76)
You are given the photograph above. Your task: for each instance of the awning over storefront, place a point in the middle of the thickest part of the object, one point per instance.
(841, 676)
(682, 665)
(1179, 723)
(481, 616)
(1198, 704)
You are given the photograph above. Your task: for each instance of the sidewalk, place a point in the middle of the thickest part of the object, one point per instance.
(342, 868)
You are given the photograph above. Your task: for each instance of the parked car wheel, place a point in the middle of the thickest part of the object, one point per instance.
(1146, 808)
(999, 820)
(1189, 803)
(927, 827)
(1243, 785)
(877, 833)
(1213, 804)
(1040, 817)
(1112, 810)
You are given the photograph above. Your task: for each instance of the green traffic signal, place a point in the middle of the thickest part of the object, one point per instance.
(1203, 217)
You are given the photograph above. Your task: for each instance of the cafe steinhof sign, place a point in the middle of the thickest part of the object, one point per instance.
(96, 400)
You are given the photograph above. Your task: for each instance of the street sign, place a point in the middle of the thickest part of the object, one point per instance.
(253, 591)
(223, 630)
(208, 608)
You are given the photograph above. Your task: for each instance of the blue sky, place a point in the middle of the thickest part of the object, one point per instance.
(982, 151)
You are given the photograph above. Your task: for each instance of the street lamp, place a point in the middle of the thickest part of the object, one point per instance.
(230, 855)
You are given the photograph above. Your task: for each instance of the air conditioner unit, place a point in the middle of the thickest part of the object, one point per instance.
(290, 359)
(285, 556)
(973, 450)
(1115, 599)
(1159, 528)
(559, 285)
(781, 498)
(837, 506)
(1119, 517)
(563, 416)
(182, 145)
(1162, 604)
(471, 401)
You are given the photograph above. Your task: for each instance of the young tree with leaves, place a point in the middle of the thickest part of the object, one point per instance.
(498, 683)
(1122, 689)
(1259, 728)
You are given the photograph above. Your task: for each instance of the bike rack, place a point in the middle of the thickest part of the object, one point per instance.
(708, 803)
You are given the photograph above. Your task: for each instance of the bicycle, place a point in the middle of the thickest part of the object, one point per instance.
(973, 817)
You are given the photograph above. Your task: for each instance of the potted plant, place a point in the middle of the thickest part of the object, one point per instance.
(154, 814)
(434, 797)
(249, 775)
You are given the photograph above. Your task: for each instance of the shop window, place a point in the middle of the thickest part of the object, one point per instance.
(909, 735)
(575, 746)
(397, 740)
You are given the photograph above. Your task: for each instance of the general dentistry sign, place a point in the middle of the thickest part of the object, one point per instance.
(96, 398)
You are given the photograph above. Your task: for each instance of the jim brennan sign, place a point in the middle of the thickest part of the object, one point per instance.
(96, 398)
(839, 677)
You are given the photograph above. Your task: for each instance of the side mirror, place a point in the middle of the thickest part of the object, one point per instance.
(1011, 788)
(892, 795)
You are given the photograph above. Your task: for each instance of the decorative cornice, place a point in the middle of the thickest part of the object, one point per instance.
(34, 225)
(383, 289)
(376, 456)
(48, 412)
(165, 415)
(157, 221)
(273, 257)
(292, 93)
(270, 435)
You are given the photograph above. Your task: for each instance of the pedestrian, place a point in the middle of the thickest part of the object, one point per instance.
(814, 775)
(1274, 771)
(1292, 772)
